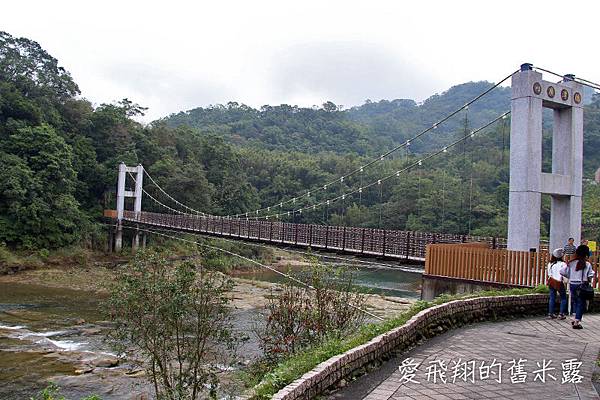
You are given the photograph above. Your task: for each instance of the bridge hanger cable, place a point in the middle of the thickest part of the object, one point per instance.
(291, 278)
(356, 262)
(379, 181)
(582, 81)
(340, 179)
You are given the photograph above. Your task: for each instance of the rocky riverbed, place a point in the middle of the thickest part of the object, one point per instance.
(52, 329)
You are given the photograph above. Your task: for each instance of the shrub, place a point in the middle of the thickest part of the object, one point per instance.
(176, 317)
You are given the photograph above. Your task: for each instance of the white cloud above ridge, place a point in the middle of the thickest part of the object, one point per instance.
(180, 55)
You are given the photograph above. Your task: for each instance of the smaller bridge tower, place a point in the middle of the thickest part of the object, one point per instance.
(122, 193)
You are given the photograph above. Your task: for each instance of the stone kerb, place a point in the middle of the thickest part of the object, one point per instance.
(424, 325)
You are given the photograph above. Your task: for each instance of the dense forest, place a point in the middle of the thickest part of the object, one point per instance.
(59, 157)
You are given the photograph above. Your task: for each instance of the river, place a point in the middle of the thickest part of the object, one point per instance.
(55, 334)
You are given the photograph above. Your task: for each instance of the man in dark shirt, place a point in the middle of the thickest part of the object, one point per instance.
(570, 249)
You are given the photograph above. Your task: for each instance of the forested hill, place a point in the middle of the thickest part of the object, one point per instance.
(364, 129)
(59, 156)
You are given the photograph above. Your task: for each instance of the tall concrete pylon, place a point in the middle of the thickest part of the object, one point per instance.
(121, 195)
(530, 95)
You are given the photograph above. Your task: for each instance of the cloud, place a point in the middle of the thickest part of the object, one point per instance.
(347, 72)
(165, 90)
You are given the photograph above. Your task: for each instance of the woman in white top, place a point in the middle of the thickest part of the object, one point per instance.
(580, 273)
(556, 284)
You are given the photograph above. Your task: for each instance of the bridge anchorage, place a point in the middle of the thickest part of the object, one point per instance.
(452, 262)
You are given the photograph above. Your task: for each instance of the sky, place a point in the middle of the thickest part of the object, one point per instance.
(176, 55)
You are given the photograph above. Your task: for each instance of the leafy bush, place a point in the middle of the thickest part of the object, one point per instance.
(175, 317)
(297, 317)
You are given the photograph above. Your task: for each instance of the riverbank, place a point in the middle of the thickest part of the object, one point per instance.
(246, 293)
(52, 328)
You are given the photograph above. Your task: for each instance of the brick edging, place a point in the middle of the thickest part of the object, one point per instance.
(425, 324)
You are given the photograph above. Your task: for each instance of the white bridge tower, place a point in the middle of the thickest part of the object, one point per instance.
(121, 194)
(530, 95)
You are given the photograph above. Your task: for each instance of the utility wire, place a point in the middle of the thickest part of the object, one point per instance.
(291, 278)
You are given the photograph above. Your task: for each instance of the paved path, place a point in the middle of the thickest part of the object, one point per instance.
(533, 339)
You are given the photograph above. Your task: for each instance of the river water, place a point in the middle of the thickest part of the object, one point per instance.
(50, 334)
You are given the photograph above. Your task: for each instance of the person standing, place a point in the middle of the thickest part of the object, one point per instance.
(556, 284)
(585, 242)
(580, 273)
(569, 249)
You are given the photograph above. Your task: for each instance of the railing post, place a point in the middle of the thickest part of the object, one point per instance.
(271, 231)
(344, 238)
(326, 236)
(494, 242)
(310, 235)
(282, 232)
(248, 227)
(362, 241)
(407, 244)
(222, 226)
(383, 245)
(258, 222)
(296, 234)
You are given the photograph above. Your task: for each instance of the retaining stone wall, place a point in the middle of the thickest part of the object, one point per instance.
(426, 324)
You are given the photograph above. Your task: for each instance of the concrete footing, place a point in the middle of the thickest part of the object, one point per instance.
(433, 286)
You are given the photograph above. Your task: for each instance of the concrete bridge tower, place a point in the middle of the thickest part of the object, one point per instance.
(121, 195)
(530, 95)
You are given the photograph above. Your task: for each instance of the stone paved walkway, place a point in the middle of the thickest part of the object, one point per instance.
(533, 339)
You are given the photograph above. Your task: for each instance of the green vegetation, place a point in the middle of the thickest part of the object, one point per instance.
(303, 361)
(52, 392)
(173, 316)
(298, 316)
(60, 155)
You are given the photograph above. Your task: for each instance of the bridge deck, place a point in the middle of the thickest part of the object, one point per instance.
(368, 242)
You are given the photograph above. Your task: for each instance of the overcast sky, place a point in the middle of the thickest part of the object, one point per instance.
(176, 55)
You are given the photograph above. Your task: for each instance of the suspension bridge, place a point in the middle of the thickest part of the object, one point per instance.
(517, 260)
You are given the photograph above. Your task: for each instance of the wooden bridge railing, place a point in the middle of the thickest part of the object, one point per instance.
(408, 245)
(474, 262)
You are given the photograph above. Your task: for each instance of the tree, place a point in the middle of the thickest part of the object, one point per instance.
(37, 205)
(32, 69)
(175, 317)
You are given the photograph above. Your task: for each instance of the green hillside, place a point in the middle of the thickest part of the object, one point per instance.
(59, 157)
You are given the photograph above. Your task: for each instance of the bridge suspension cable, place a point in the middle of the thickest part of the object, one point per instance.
(171, 197)
(582, 81)
(231, 253)
(340, 179)
(155, 200)
(379, 181)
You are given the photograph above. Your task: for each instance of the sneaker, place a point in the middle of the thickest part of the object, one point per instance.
(551, 316)
(577, 326)
(562, 316)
